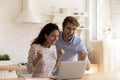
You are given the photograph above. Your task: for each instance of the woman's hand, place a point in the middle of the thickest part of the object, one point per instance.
(59, 56)
(61, 52)
(39, 56)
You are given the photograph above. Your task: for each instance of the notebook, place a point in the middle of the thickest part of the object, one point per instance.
(71, 70)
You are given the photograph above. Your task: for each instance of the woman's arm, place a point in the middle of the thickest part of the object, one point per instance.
(59, 56)
(39, 56)
(32, 59)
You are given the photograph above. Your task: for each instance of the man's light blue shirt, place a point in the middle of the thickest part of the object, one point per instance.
(72, 48)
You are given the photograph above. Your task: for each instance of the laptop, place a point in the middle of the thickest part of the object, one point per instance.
(71, 70)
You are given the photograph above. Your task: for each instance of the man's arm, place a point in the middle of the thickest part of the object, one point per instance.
(84, 57)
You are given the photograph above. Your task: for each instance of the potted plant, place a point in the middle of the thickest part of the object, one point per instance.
(5, 60)
(4, 57)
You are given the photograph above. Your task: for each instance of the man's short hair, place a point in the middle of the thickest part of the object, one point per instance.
(70, 19)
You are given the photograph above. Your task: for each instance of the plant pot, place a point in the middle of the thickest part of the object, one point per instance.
(5, 63)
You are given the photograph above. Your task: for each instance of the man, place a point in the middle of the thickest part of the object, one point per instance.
(72, 45)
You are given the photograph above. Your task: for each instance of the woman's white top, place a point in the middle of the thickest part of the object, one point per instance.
(46, 63)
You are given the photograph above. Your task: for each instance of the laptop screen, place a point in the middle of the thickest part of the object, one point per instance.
(71, 69)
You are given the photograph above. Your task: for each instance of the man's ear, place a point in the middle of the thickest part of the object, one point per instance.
(63, 28)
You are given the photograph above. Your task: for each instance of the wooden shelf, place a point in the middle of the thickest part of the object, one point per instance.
(87, 16)
(82, 28)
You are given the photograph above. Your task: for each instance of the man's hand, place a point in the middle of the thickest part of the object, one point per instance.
(88, 67)
(82, 55)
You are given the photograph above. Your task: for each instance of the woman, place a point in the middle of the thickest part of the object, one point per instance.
(42, 58)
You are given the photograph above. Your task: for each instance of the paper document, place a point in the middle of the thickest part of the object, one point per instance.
(37, 79)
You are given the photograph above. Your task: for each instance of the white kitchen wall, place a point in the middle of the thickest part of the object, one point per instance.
(115, 17)
(103, 17)
(15, 38)
(45, 6)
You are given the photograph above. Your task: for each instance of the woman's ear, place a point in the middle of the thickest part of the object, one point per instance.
(45, 35)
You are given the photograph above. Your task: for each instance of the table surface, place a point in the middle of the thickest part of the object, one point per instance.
(100, 76)
(16, 67)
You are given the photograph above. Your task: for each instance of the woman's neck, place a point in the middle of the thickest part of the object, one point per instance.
(46, 45)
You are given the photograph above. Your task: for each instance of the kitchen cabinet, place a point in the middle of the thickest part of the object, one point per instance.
(7, 74)
(10, 71)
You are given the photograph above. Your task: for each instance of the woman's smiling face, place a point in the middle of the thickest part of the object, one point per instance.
(52, 37)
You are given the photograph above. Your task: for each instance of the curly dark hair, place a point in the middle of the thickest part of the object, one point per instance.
(47, 29)
(70, 19)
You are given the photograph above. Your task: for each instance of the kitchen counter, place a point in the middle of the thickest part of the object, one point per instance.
(12, 67)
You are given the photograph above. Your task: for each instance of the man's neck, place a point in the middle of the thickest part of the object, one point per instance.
(65, 38)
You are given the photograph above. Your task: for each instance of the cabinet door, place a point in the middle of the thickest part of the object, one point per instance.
(7, 74)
